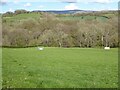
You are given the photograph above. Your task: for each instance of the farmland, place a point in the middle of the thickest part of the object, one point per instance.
(69, 17)
(73, 55)
(0, 68)
(60, 68)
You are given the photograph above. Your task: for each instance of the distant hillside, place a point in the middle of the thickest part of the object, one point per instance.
(64, 11)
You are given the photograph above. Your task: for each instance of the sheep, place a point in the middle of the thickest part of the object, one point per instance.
(107, 48)
(40, 48)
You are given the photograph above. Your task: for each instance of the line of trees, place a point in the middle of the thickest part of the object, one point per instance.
(51, 31)
(92, 13)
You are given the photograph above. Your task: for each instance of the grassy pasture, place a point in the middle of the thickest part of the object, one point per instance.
(26, 15)
(36, 16)
(0, 68)
(60, 68)
(83, 18)
(22, 16)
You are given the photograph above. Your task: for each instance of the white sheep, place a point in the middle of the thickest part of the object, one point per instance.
(40, 48)
(107, 48)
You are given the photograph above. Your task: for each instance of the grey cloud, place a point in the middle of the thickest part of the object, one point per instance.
(69, 1)
(3, 2)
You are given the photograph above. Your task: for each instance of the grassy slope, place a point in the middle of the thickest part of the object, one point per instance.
(60, 67)
(83, 17)
(0, 68)
(34, 15)
(22, 16)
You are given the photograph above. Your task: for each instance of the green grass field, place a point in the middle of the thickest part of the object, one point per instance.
(22, 16)
(84, 18)
(60, 68)
(0, 68)
(37, 16)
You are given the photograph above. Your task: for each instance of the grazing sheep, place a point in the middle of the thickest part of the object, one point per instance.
(40, 48)
(107, 48)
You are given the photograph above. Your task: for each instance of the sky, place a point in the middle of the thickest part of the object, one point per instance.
(30, 5)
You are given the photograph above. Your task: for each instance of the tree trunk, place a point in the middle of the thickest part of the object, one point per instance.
(102, 40)
(106, 42)
(60, 45)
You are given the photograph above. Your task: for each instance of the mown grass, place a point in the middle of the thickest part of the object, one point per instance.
(60, 68)
(83, 18)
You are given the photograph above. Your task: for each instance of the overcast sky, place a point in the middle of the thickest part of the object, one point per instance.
(12, 5)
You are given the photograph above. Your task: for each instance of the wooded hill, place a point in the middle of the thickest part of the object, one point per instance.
(90, 29)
